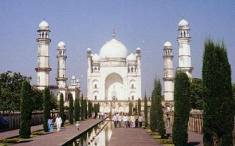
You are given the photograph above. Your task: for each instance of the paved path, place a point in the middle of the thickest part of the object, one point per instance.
(59, 138)
(131, 137)
(13, 133)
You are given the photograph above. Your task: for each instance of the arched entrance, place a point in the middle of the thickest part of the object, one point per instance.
(114, 89)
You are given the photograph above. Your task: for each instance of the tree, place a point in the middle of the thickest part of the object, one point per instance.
(46, 107)
(196, 94)
(25, 110)
(82, 108)
(70, 97)
(159, 112)
(130, 108)
(37, 97)
(85, 109)
(181, 109)
(145, 111)
(61, 108)
(11, 84)
(153, 122)
(139, 106)
(218, 110)
(77, 109)
(89, 108)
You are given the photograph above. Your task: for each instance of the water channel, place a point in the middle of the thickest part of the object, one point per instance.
(97, 136)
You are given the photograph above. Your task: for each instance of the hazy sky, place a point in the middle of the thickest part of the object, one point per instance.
(84, 23)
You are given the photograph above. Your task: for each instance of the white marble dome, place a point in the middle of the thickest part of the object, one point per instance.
(167, 44)
(61, 44)
(183, 22)
(43, 25)
(113, 49)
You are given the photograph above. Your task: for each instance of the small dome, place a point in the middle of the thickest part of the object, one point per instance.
(95, 57)
(61, 44)
(73, 77)
(131, 57)
(183, 22)
(88, 49)
(113, 49)
(167, 44)
(43, 25)
(138, 49)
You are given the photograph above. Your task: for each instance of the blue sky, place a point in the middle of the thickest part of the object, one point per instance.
(85, 23)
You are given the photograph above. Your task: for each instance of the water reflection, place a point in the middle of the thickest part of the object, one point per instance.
(97, 136)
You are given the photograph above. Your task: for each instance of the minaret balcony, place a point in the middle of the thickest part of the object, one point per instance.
(43, 69)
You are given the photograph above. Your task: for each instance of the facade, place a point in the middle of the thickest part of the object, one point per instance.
(43, 66)
(114, 76)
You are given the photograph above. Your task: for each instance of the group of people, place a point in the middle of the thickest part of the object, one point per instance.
(52, 120)
(124, 120)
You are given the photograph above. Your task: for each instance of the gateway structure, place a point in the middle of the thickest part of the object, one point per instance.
(114, 76)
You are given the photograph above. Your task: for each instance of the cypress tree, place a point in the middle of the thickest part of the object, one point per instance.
(61, 108)
(139, 106)
(89, 109)
(181, 109)
(145, 111)
(25, 110)
(77, 109)
(218, 111)
(70, 96)
(153, 122)
(159, 112)
(82, 108)
(85, 109)
(130, 108)
(46, 107)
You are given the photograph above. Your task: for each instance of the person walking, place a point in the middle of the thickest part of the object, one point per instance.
(50, 124)
(114, 119)
(141, 119)
(58, 122)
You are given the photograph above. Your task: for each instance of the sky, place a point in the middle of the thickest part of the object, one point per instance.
(83, 24)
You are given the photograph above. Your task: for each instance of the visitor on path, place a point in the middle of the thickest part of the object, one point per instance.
(77, 125)
(141, 119)
(125, 120)
(50, 124)
(132, 121)
(114, 119)
(58, 122)
(136, 121)
(119, 120)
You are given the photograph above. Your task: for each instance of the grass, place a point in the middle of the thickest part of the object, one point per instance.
(156, 136)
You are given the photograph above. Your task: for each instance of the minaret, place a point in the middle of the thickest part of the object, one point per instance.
(168, 78)
(184, 48)
(61, 68)
(43, 67)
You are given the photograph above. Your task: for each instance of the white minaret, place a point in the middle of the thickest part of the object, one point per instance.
(184, 48)
(43, 67)
(61, 68)
(168, 78)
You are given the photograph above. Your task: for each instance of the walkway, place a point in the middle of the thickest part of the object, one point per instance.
(59, 138)
(131, 137)
(14, 133)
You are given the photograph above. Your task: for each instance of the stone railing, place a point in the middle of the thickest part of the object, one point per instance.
(13, 119)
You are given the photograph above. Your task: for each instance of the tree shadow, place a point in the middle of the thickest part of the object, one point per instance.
(194, 143)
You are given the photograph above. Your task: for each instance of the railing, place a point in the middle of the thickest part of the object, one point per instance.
(13, 119)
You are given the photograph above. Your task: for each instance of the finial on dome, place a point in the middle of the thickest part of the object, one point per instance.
(114, 33)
